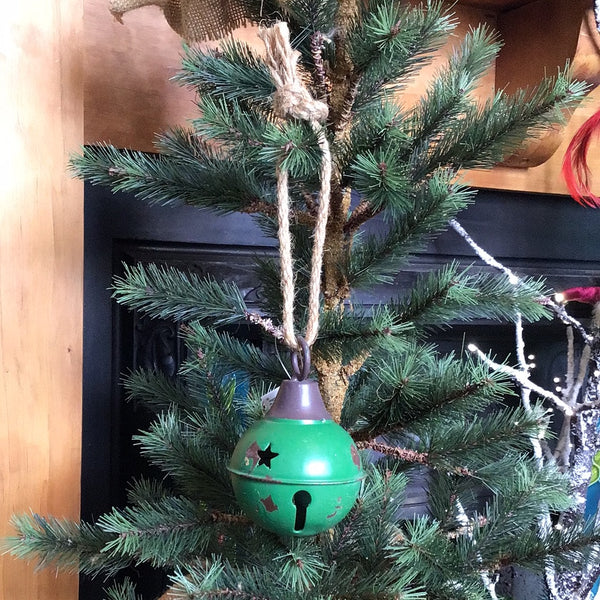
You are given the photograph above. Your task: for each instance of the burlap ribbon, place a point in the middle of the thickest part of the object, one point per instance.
(194, 20)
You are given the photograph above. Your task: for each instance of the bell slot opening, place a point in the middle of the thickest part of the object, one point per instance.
(301, 500)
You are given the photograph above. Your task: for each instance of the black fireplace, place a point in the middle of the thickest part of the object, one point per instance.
(535, 235)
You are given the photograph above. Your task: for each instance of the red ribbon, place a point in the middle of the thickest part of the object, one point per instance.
(575, 169)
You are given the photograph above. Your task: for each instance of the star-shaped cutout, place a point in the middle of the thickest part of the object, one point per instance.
(265, 456)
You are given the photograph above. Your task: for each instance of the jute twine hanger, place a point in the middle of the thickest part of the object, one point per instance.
(292, 99)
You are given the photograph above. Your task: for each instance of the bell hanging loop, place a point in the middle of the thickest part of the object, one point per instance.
(302, 370)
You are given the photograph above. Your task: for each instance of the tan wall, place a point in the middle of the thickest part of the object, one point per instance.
(41, 218)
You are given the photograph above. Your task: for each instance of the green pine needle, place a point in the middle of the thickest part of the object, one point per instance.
(167, 293)
(196, 468)
(234, 72)
(242, 358)
(161, 533)
(70, 546)
(122, 591)
(453, 295)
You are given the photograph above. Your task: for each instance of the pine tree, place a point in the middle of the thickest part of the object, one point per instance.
(408, 406)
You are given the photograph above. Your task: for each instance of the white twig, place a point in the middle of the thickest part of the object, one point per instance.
(525, 391)
(522, 379)
(487, 258)
(583, 364)
(567, 319)
(521, 376)
(570, 359)
(520, 343)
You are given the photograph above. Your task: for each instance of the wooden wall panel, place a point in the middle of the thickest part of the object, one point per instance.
(41, 224)
(539, 38)
(128, 95)
(128, 67)
(545, 178)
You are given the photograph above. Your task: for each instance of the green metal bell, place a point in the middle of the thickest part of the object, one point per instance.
(296, 472)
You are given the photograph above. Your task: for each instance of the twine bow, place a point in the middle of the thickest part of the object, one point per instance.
(292, 99)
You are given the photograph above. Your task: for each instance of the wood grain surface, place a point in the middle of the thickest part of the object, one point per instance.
(41, 218)
(129, 96)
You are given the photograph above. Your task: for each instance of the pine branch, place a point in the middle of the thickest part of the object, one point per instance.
(381, 127)
(492, 436)
(207, 181)
(142, 489)
(424, 546)
(166, 293)
(569, 548)
(307, 17)
(217, 579)
(160, 533)
(122, 591)
(448, 96)
(378, 259)
(234, 72)
(248, 135)
(350, 334)
(403, 390)
(73, 547)
(157, 391)
(376, 517)
(217, 516)
(451, 295)
(512, 513)
(406, 455)
(244, 359)
(382, 177)
(209, 391)
(196, 468)
(166, 531)
(391, 41)
(486, 135)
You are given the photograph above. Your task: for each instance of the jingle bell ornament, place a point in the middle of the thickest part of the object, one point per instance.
(296, 472)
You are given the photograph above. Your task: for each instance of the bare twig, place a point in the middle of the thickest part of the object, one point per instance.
(569, 379)
(538, 446)
(265, 323)
(270, 210)
(317, 41)
(361, 214)
(404, 454)
(584, 360)
(412, 456)
(561, 313)
(467, 527)
(487, 258)
(522, 379)
(216, 516)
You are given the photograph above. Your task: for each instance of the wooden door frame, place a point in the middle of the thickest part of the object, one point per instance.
(41, 265)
